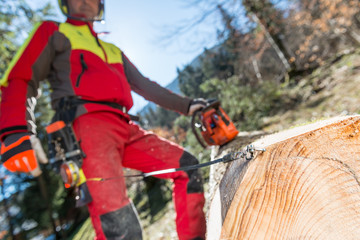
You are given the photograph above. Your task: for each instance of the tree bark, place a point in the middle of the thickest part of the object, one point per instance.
(305, 186)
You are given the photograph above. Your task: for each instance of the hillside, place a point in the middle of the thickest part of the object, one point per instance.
(331, 90)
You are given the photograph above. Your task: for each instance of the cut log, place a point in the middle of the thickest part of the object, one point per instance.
(305, 186)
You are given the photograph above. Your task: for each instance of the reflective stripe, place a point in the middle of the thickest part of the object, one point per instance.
(22, 162)
(17, 163)
(25, 160)
(19, 156)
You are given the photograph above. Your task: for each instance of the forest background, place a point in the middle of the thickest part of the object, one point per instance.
(265, 64)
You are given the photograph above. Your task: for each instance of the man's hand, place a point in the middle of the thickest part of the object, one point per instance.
(20, 152)
(197, 104)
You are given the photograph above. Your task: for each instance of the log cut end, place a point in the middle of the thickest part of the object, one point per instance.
(305, 186)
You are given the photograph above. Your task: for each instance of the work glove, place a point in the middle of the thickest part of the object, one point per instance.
(197, 104)
(20, 152)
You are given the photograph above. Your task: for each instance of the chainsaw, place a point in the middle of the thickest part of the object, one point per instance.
(216, 128)
(66, 156)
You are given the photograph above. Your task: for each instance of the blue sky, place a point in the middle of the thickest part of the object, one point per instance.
(138, 27)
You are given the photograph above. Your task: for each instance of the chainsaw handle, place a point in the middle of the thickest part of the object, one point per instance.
(212, 103)
(193, 128)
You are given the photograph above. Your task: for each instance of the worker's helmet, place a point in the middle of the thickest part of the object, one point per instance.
(63, 4)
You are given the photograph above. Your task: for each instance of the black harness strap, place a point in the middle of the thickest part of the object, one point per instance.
(70, 104)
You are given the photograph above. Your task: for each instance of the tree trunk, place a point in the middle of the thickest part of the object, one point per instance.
(305, 186)
(280, 50)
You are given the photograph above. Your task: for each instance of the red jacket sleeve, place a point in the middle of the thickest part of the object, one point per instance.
(20, 83)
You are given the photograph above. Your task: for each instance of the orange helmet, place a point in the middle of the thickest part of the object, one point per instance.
(65, 10)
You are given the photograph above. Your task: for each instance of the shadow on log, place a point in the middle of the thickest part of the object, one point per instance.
(305, 186)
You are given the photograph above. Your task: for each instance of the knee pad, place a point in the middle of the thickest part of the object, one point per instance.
(195, 184)
(122, 224)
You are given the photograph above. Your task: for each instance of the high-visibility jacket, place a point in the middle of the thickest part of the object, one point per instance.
(76, 63)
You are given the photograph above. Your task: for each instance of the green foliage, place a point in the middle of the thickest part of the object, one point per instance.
(182, 122)
(37, 202)
(189, 78)
(158, 117)
(35, 206)
(247, 105)
(16, 20)
(217, 62)
(43, 113)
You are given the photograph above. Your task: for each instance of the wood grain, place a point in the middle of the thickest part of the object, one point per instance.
(305, 186)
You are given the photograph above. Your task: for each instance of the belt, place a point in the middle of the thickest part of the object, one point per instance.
(67, 102)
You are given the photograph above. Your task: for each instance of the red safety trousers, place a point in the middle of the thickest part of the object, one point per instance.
(110, 143)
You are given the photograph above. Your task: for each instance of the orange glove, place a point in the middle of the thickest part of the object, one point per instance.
(19, 153)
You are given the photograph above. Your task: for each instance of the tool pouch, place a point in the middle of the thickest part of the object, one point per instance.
(66, 157)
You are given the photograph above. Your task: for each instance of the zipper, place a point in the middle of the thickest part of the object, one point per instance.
(98, 41)
(84, 67)
(102, 48)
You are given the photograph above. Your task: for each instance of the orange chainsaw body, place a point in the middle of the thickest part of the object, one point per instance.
(216, 126)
